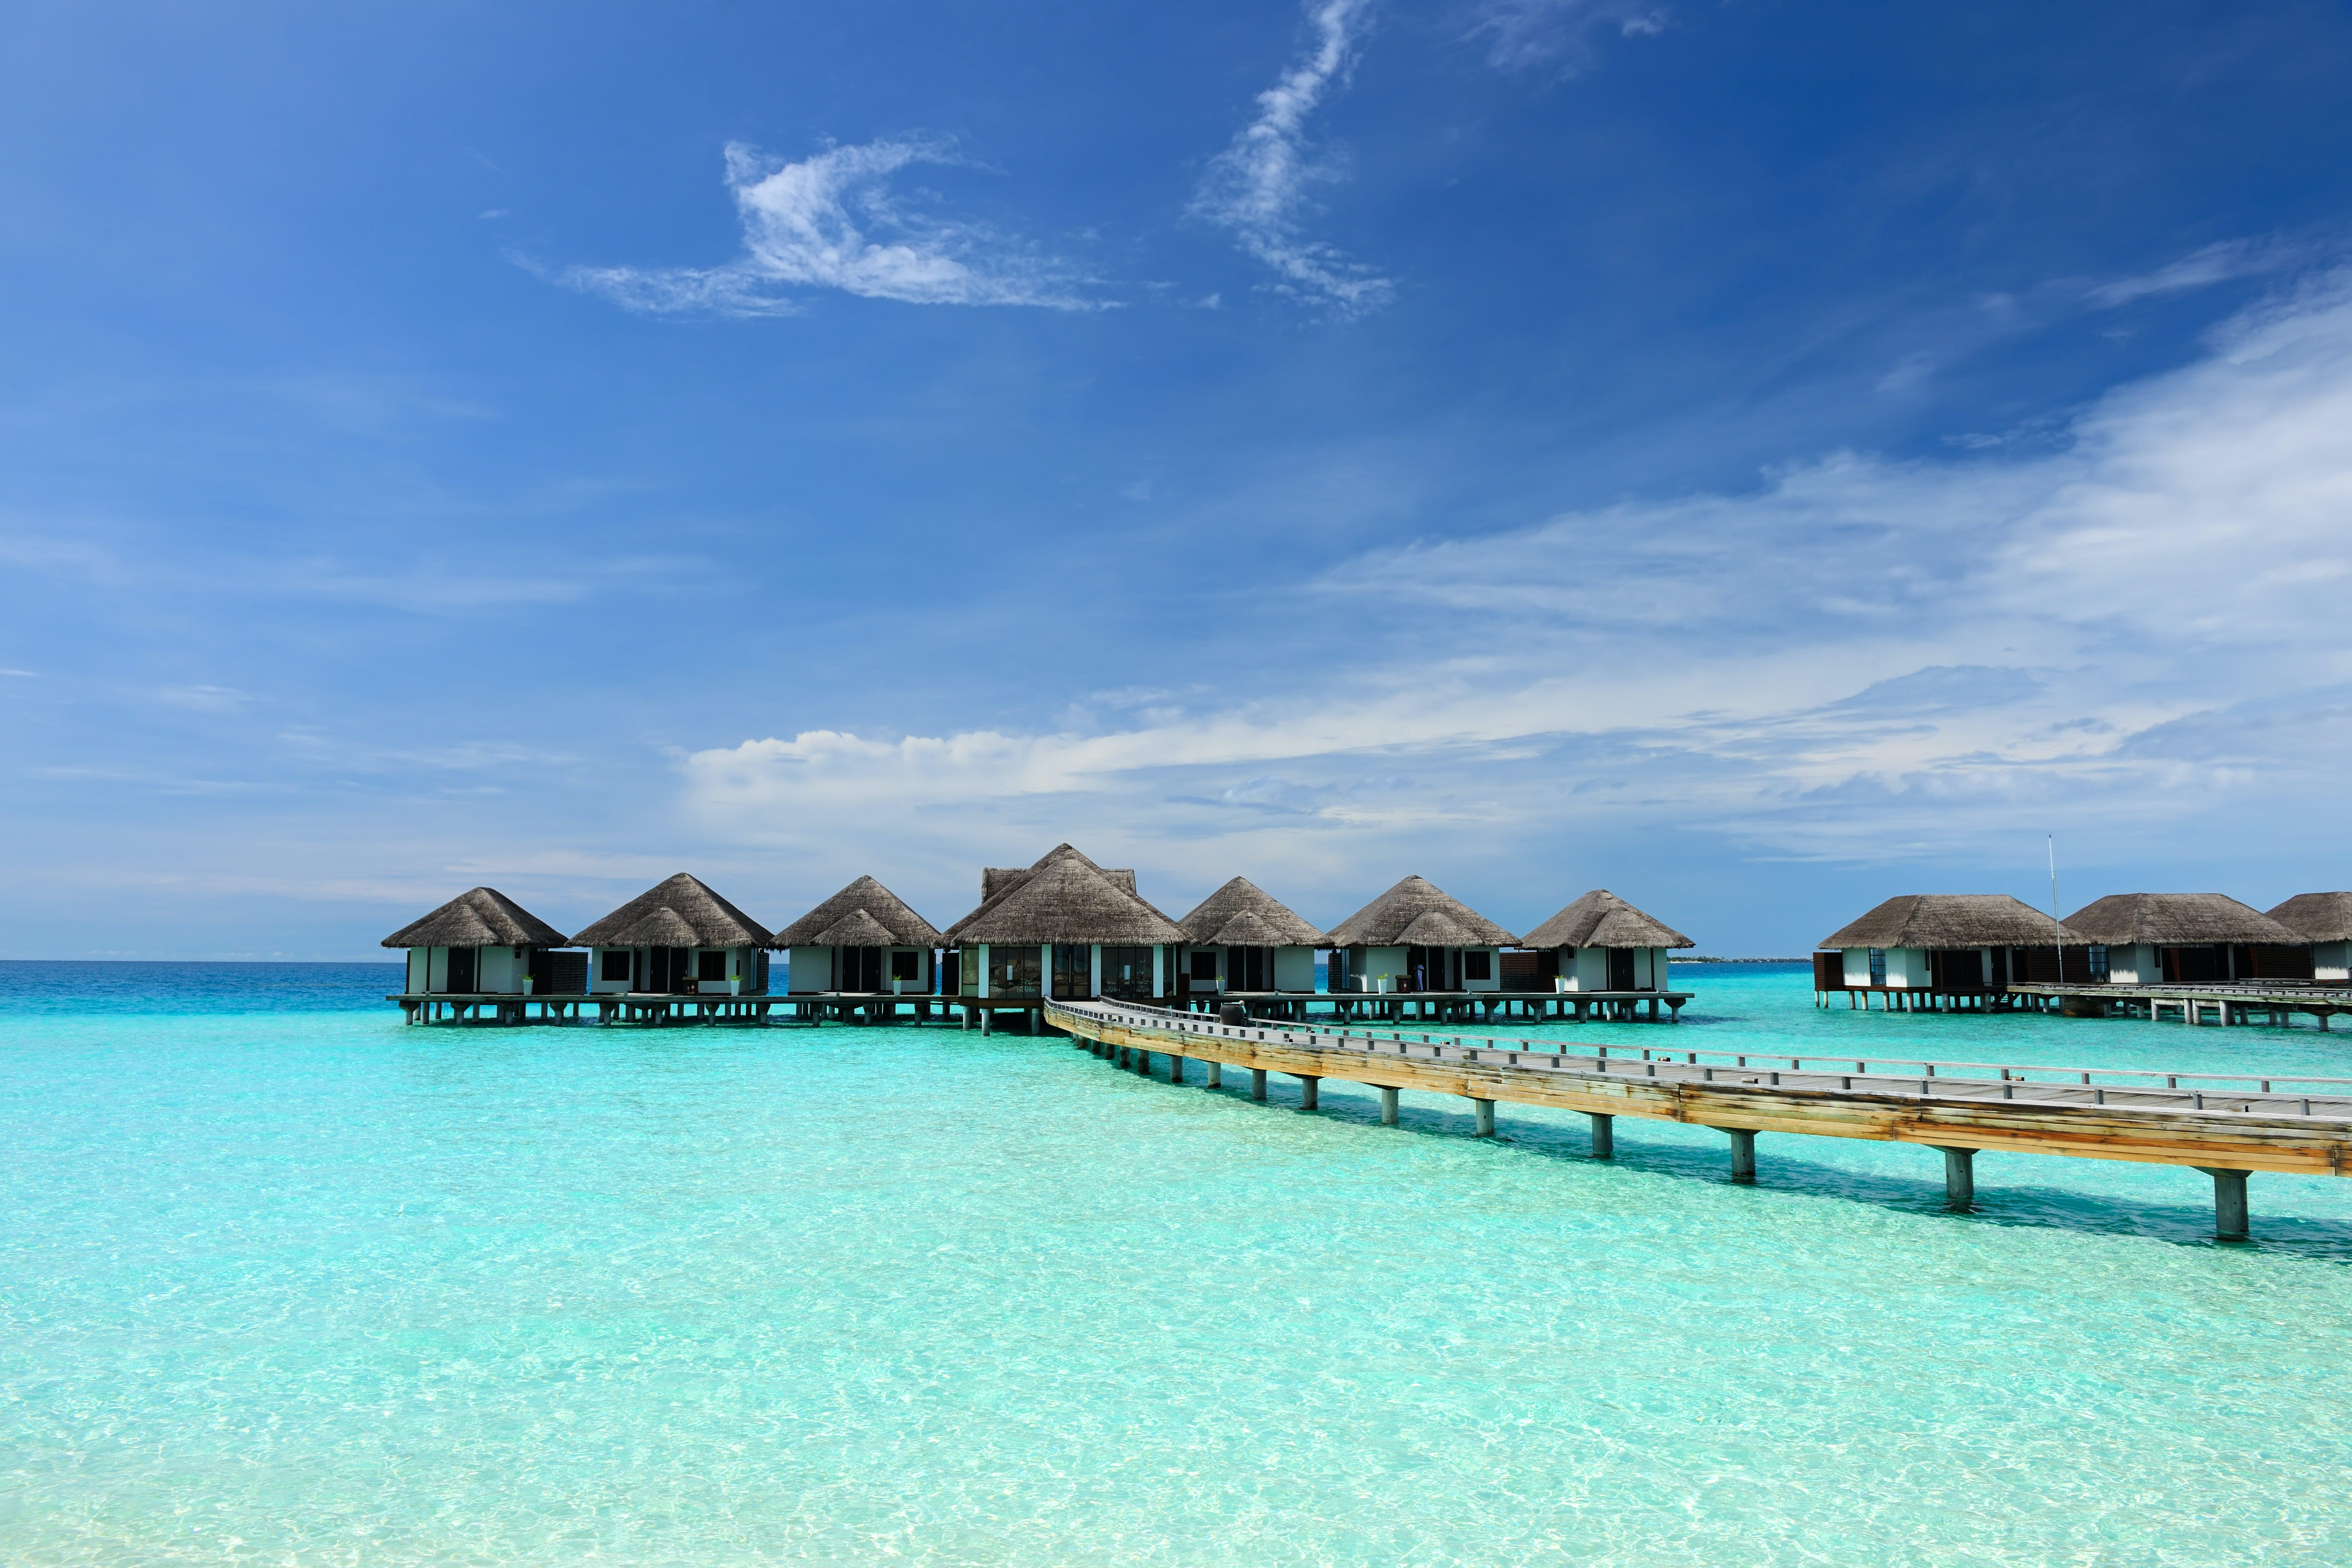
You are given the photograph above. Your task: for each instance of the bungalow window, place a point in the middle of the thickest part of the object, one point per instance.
(2097, 957)
(1204, 967)
(1477, 966)
(902, 965)
(710, 967)
(1878, 967)
(1127, 972)
(613, 964)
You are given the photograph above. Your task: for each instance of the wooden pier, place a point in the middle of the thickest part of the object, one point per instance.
(1450, 1006)
(2224, 1125)
(662, 1009)
(2225, 1005)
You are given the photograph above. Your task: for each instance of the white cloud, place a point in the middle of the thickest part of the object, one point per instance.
(830, 221)
(1558, 33)
(1862, 659)
(1257, 188)
(2217, 263)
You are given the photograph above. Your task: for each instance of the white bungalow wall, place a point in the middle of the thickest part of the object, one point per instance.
(2329, 960)
(2140, 964)
(810, 969)
(1293, 969)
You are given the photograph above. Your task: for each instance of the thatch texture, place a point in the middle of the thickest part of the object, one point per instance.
(1243, 914)
(900, 926)
(1954, 920)
(2179, 920)
(2317, 916)
(481, 916)
(1064, 898)
(680, 913)
(856, 929)
(1601, 919)
(995, 881)
(1388, 919)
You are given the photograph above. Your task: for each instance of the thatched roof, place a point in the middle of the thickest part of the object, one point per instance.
(680, 913)
(883, 910)
(2178, 920)
(2317, 916)
(1402, 916)
(1064, 898)
(995, 881)
(856, 929)
(1601, 919)
(1954, 920)
(480, 916)
(1243, 914)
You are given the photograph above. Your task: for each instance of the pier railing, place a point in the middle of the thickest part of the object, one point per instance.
(1954, 1080)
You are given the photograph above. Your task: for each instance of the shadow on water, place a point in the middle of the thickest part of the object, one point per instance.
(1672, 1151)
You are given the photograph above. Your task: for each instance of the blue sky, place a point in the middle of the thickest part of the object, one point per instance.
(1758, 457)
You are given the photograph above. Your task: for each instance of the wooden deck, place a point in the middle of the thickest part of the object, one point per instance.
(1450, 1007)
(2218, 1002)
(2221, 1124)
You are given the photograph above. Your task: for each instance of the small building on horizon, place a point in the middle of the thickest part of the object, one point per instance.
(1416, 937)
(482, 943)
(1064, 928)
(1599, 942)
(678, 938)
(864, 939)
(1951, 944)
(2324, 919)
(2191, 939)
(1243, 938)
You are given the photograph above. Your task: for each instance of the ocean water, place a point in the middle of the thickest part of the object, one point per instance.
(282, 1281)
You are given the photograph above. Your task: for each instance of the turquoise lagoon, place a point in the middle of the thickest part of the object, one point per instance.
(284, 1282)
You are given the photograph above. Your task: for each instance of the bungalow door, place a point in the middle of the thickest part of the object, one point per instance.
(462, 969)
(1621, 969)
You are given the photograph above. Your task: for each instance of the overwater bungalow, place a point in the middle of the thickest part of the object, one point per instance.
(482, 943)
(1063, 927)
(1242, 938)
(2324, 919)
(678, 938)
(864, 939)
(1948, 949)
(1600, 943)
(2190, 938)
(1417, 938)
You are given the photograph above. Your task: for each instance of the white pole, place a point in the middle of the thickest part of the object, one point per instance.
(2057, 931)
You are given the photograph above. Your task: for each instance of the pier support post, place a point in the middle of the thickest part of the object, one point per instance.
(987, 1021)
(1743, 1153)
(2229, 1202)
(1216, 1075)
(1388, 1107)
(1604, 1135)
(1258, 1083)
(1175, 1069)
(1308, 1092)
(1483, 1113)
(1960, 1179)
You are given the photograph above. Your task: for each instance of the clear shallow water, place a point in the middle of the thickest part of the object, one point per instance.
(288, 1282)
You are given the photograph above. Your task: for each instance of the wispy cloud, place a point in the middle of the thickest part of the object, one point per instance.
(2217, 263)
(831, 221)
(1257, 188)
(1558, 34)
(1861, 659)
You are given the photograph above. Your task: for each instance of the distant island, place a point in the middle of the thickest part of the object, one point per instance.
(1705, 958)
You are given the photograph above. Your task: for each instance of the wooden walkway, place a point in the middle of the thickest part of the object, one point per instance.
(2225, 1125)
(2219, 1002)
